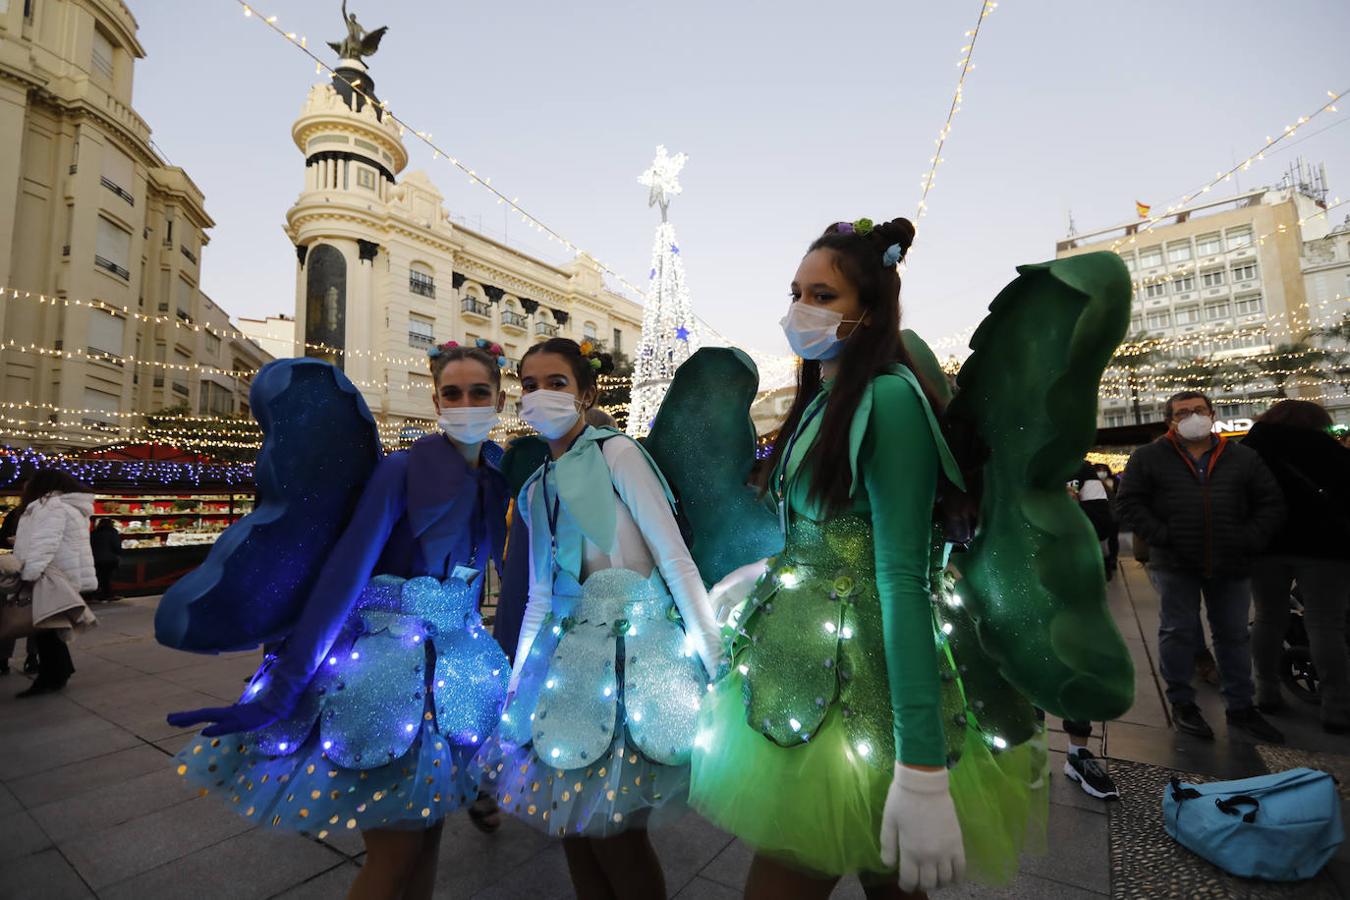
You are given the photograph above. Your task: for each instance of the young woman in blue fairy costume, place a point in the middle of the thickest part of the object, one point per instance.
(368, 715)
(616, 644)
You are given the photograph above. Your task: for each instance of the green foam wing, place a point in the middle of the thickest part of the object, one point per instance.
(703, 441)
(1033, 578)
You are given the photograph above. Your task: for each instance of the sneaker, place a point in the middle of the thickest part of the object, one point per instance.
(1187, 717)
(1254, 724)
(1081, 766)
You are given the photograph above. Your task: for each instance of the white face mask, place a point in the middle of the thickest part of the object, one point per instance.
(1102, 476)
(551, 413)
(468, 424)
(812, 330)
(1196, 427)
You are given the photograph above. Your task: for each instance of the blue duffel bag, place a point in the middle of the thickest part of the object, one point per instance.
(1280, 827)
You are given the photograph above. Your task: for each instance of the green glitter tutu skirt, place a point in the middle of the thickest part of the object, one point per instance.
(596, 739)
(385, 733)
(794, 750)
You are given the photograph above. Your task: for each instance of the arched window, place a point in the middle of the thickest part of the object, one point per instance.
(421, 279)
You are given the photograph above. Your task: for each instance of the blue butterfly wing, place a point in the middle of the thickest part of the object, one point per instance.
(320, 446)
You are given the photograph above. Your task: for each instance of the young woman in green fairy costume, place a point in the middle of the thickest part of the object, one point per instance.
(842, 741)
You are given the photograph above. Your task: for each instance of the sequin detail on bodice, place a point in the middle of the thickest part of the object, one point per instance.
(612, 654)
(412, 651)
(810, 637)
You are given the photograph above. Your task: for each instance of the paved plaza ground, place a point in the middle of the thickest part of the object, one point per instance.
(90, 805)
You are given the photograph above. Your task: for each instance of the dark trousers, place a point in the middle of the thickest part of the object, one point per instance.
(54, 665)
(1077, 729)
(1180, 635)
(105, 570)
(1324, 585)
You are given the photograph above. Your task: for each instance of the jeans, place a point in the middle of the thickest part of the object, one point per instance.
(1324, 585)
(54, 664)
(1227, 602)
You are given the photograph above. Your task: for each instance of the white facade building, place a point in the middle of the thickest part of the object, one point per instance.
(383, 274)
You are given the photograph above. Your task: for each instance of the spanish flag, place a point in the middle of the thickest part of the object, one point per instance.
(1142, 209)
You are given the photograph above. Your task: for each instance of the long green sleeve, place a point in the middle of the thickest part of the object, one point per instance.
(899, 463)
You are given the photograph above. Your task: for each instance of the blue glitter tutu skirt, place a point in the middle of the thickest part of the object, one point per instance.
(597, 738)
(384, 735)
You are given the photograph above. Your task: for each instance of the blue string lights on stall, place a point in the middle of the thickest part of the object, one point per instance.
(17, 463)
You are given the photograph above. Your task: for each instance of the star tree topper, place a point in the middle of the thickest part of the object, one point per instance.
(663, 179)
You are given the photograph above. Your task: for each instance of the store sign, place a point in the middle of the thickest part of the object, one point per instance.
(1233, 426)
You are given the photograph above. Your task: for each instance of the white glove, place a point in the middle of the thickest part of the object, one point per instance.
(919, 827)
(732, 590)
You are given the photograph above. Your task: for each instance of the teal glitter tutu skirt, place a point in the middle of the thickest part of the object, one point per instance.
(597, 737)
(794, 750)
(385, 733)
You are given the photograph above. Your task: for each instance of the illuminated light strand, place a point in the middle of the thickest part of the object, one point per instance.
(958, 96)
(1220, 177)
(438, 152)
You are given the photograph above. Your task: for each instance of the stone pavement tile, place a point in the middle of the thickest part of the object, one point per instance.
(122, 851)
(1024, 887)
(541, 877)
(686, 847)
(1064, 792)
(730, 866)
(139, 688)
(78, 778)
(146, 719)
(38, 731)
(331, 884)
(473, 861)
(172, 745)
(256, 864)
(42, 876)
(8, 802)
(148, 657)
(1079, 851)
(114, 803)
(706, 889)
(20, 835)
(1174, 750)
(43, 757)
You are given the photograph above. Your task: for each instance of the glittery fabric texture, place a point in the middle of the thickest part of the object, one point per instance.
(599, 732)
(407, 694)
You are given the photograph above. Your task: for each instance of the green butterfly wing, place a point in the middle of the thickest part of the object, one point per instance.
(1032, 579)
(703, 441)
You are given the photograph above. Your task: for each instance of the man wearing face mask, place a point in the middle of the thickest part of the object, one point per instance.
(1206, 506)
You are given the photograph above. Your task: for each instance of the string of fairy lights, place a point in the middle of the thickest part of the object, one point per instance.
(966, 65)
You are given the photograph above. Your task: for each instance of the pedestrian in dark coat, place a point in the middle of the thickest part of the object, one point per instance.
(1312, 549)
(1206, 506)
(106, 542)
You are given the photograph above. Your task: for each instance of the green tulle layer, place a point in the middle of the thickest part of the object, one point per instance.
(818, 805)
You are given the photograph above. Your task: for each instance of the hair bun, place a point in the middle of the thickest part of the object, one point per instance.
(896, 231)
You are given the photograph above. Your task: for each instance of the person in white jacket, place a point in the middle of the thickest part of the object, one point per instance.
(54, 532)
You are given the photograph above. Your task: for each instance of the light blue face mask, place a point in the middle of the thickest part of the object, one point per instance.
(812, 331)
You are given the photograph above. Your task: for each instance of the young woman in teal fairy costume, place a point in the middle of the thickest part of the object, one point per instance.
(368, 712)
(615, 647)
(861, 728)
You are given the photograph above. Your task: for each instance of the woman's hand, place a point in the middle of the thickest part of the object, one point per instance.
(919, 829)
(732, 590)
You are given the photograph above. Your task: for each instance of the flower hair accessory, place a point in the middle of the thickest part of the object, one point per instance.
(436, 351)
(494, 348)
(860, 227)
(894, 253)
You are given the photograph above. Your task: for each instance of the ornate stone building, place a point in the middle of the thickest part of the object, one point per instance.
(90, 212)
(382, 274)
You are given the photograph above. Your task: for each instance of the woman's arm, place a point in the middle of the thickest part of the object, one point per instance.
(540, 603)
(43, 530)
(899, 468)
(640, 490)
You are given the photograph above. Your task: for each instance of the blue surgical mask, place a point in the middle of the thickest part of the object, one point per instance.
(812, 331)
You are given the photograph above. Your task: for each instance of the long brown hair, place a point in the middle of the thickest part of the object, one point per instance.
(49, 481)
(868, 352)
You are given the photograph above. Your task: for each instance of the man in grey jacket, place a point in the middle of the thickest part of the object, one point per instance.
(1205, 506)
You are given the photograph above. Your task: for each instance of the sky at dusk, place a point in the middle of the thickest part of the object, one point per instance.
(793, 114)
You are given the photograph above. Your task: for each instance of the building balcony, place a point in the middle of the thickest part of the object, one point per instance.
(515, 322)
(545, 330)
(108, 265)
(188, 254)
(422, 285)
(476, 309)
(117, 189)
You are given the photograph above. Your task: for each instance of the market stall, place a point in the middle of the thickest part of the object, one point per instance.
(169, 505)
